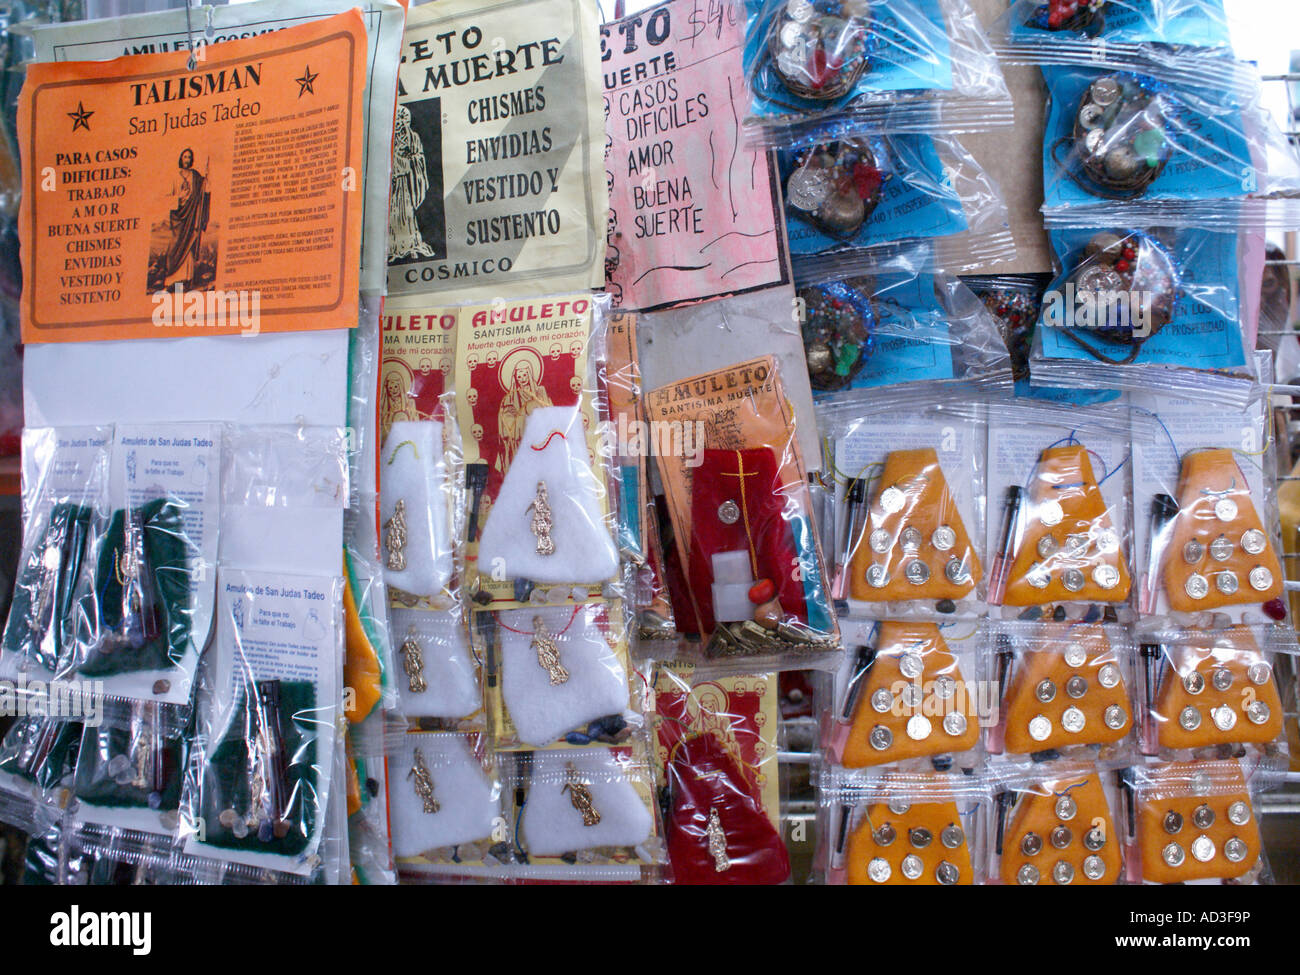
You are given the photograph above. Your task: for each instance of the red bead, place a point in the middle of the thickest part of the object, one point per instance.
(1121, 266)
(1275, 609)
(1129, 253)
(762, 591)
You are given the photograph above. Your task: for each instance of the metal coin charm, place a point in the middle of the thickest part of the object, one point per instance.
(1235, 849)
(1260, 579)
(943, 538)
(879, 870)
(1194, 682)
(1045, 691)
(1253, 541)
(911, 539)
(1197, 586)
(947, 873)
(1173, 855)
(1040, 727)
(1066, 808)
(911, 665)
(1226, 582)
(1221, 678)
(1073, 720)
(1051, 513)
(912, 866)
(880, 738)
(880, 541)
(1203, 849)
(1203, 817)
(1063, 872)
(1106, 576)
(1027, 876)
(1031, 844)
(1225, 509)
(728, 512)
(877, 577)
(918, 727)
(892, 500)
(1108, 676)
(956, 572)
(1221, 549)
(1239, 813)
(1173, 822)
(1189, 719)
(881, 700)
(1258, 712)
(954, 723)
(951, 836)
(1075, 655)
(1114, 717)
(917, 572)
(1094, 867)
(1193, 552)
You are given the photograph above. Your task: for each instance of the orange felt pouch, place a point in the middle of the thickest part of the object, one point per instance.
(1062, 832)
(924, 843)
(1195, 821)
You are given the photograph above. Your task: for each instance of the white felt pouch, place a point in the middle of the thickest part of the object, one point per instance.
(553, 452)
(596, 682)
(413, 471)
(552, 822)
(468, 799)
(432, 651)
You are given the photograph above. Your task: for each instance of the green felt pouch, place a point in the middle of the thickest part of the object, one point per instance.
(37, 629)
(135, 758)
(40, 750)
(140, 594)
(258, 790)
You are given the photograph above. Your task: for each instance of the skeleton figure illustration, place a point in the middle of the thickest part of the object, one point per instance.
(410, 184)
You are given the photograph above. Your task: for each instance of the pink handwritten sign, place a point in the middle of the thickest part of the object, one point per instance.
(694, 213)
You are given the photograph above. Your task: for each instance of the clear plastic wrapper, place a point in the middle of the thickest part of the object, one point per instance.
(447, 805)
(906, 65)
(908, 521)
(1016, 301)
(870, 197)
(1067, 692)
(911, 696)
(720, 792)
(917, 333)
(268, 722)
(1059, 521)
(1141, 310)
(756, 589)
(144, 597)
(904, 829)
(103, 856)
(535, 456)
(439, 669)
(65, 473)
(1216, 693)
(369, 839)
(1060, 825)
(1206, 513)
(1196, 822)
(1126, 149)
(559, 674)
(586, 815)
(131, 766)
(38, 758)
(1179, 41)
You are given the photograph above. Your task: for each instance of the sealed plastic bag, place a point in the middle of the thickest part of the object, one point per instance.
(1125, 149)
(1149, 309)
(1061, 825)
(1205, 512)
(923, 829)
(909, 695)
(720, 795)
(901, 327)
(908, 535)
(1196, 821)
(1067, 691)
(755, 577)
(908, 65)
(1060, 528)
(1207, 692)
(863, 197)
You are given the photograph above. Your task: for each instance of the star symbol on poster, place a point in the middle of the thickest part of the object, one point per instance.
(306, 81)
(80, 118)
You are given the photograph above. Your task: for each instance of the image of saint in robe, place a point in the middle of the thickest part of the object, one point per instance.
(410, 184)
(186, 222)
(521, 379)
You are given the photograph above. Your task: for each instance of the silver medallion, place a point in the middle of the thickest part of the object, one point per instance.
(918, 727)
(1075, 655)
(879, 870)
(1050, 512)
(943, 538)
(881, 700)
(911, 665)
(892, 500)
(920, 837)
(1094, 867)
(1226, 582)
(1173, 855)
(1203, 817)
(951, 836)
(1221, 549)
(1040, 727)
(1173, 822)
(1260, 579)
(1203, 849)
(1108, 676)
(1253, 542)
(955, 571)
(1063, 872)
(1060, 837)
(1072, 720)
(1031, 844)
(911, 539)
(1221, 678)
(1073, 580)
(1047, 547)
(1193, 552)
(1027, 875)
(728, 512)
(1106, 576)
(917, 572)
(912, 866)
(880, 541)
(881, 737)
(1114, 717)
(944, 687)
(1239, 813)
(1189, 718)
(954, 724)
(1225, 509)
(885, 835)
(1259, 673)
(1197, 586)
(1066, 808)
(947, 873)
(1104, 91)
(1235, 849)
(1194, 682)
(1076, 687)
(1038, 576)
(877, 576)
(1045, 691)
(1258, 712)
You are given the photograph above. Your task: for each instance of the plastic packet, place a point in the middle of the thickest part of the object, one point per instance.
(1061, 824)
(906, 65)
(559, 674)
(900, 327)
(1196, 821)
(131, 766)
(98, 855)
(870, 197)
(586, 815)
(1141, 310)
(910, 695)
(446, 805)
(1059, 521)
(38, 757)
(65, 473)
(1206, 513)
(900, 828)
(1123, 149)
(439, 668)
(1067, 691)
(1178, 41)
(1015, 301)
(540, 517)
(145, 596)
(908, 522)
(720, 795)
(369, 842)
(757, 590)
(267, 725)
(1213, 693)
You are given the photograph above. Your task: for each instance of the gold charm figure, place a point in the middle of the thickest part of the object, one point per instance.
(541, 524)
(548, 653)
(413, 664)
(717, 842)
(580, 796)
(395, 537)
(423, 782)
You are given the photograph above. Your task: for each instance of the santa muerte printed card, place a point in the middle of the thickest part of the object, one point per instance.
(742, 517)
(536, 464)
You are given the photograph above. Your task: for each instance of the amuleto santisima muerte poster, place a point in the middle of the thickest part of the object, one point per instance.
(164, 199)
(497, 187)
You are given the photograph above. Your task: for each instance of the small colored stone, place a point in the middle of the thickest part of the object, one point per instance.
(762, 591)
(769, 614)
